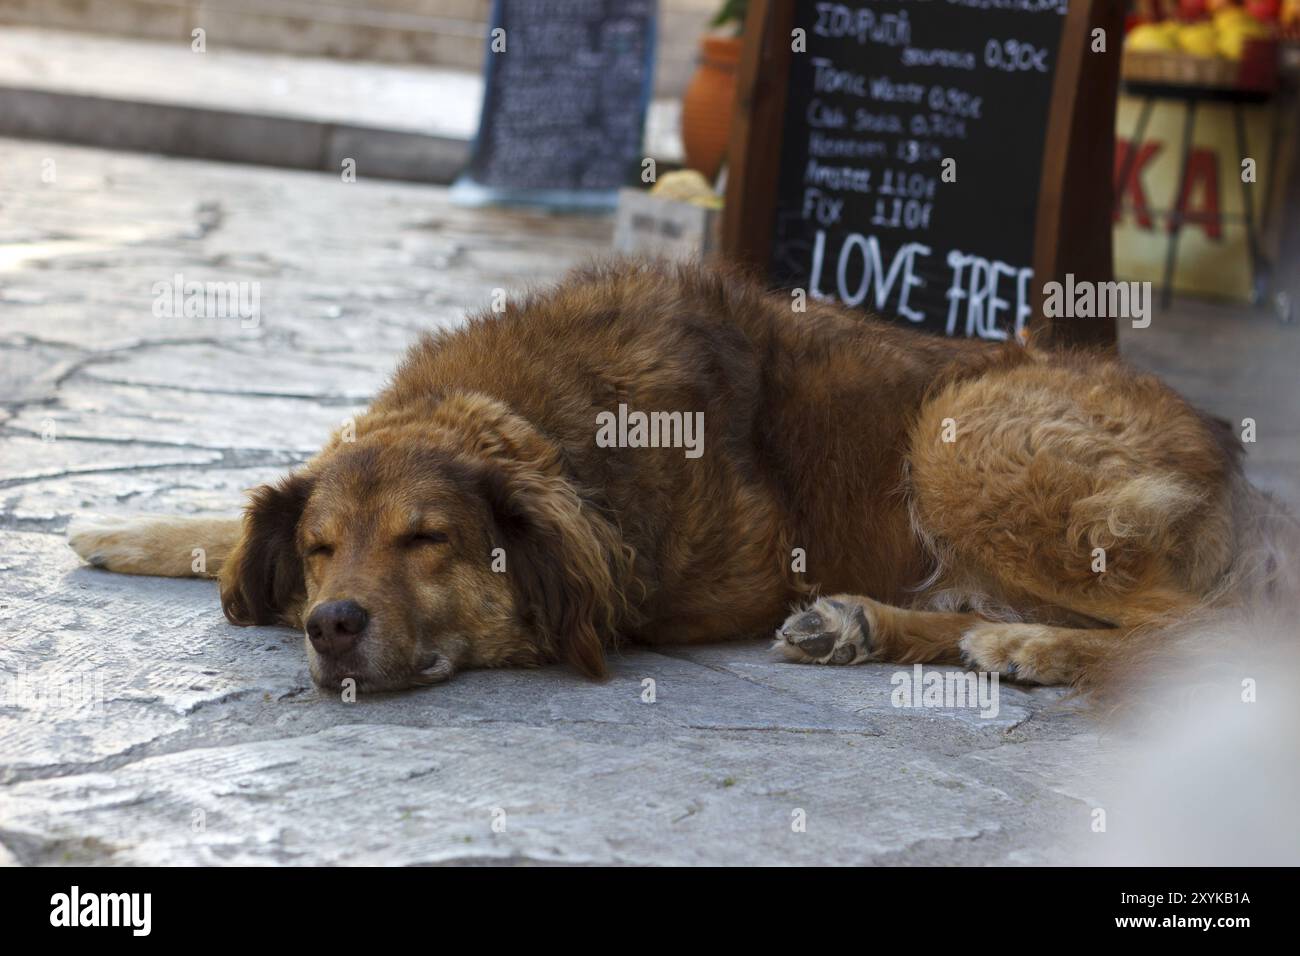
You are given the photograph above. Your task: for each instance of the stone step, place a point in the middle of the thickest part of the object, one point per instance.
(441, 33)
(433, 32)
(396, 121)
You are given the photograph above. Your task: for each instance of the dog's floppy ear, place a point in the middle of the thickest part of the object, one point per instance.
(262, 580)
(567, 564)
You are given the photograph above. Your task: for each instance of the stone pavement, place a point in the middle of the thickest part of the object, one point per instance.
(137, 726)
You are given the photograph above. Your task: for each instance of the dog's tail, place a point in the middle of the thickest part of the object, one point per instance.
(170, 547)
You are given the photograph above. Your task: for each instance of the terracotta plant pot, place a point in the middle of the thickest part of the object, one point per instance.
(708, 103)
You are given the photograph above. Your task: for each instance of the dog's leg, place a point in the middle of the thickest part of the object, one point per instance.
(172, 547)
(850, 629)
(847, 629)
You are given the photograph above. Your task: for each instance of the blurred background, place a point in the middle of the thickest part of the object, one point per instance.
(398, 85)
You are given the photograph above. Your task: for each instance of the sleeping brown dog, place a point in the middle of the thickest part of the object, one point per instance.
(666, 454)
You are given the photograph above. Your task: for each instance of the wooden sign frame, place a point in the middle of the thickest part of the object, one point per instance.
(1073, 228)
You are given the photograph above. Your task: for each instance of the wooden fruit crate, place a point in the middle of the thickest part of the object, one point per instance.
(1177, 69)
(1256, 71)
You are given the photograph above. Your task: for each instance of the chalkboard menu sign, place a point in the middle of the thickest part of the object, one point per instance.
(567, 84)
(911, 155)
(938, 162)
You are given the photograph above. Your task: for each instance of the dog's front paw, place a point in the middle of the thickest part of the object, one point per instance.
(174, 547)
(103, 543)
(827, 632)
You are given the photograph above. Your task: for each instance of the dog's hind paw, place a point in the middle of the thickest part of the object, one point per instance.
(1021, 652)
(830, 631)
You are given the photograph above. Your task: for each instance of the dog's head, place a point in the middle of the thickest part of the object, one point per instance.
(405, 561)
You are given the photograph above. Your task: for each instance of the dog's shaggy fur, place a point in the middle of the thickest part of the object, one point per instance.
(1023, 511)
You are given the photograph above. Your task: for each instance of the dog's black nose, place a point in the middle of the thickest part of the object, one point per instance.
(335, 626)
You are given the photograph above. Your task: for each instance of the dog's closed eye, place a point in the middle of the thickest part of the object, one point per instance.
(422, 538)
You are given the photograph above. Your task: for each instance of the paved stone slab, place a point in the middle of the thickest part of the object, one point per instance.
(33, 458)
(45, 504)
(92, 409)
(563, 794)
(870, 691)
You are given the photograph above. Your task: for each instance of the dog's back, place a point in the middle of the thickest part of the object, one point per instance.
(806, 412)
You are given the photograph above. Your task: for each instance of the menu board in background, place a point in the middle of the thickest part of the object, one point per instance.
(886, 92)
(564, 103)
